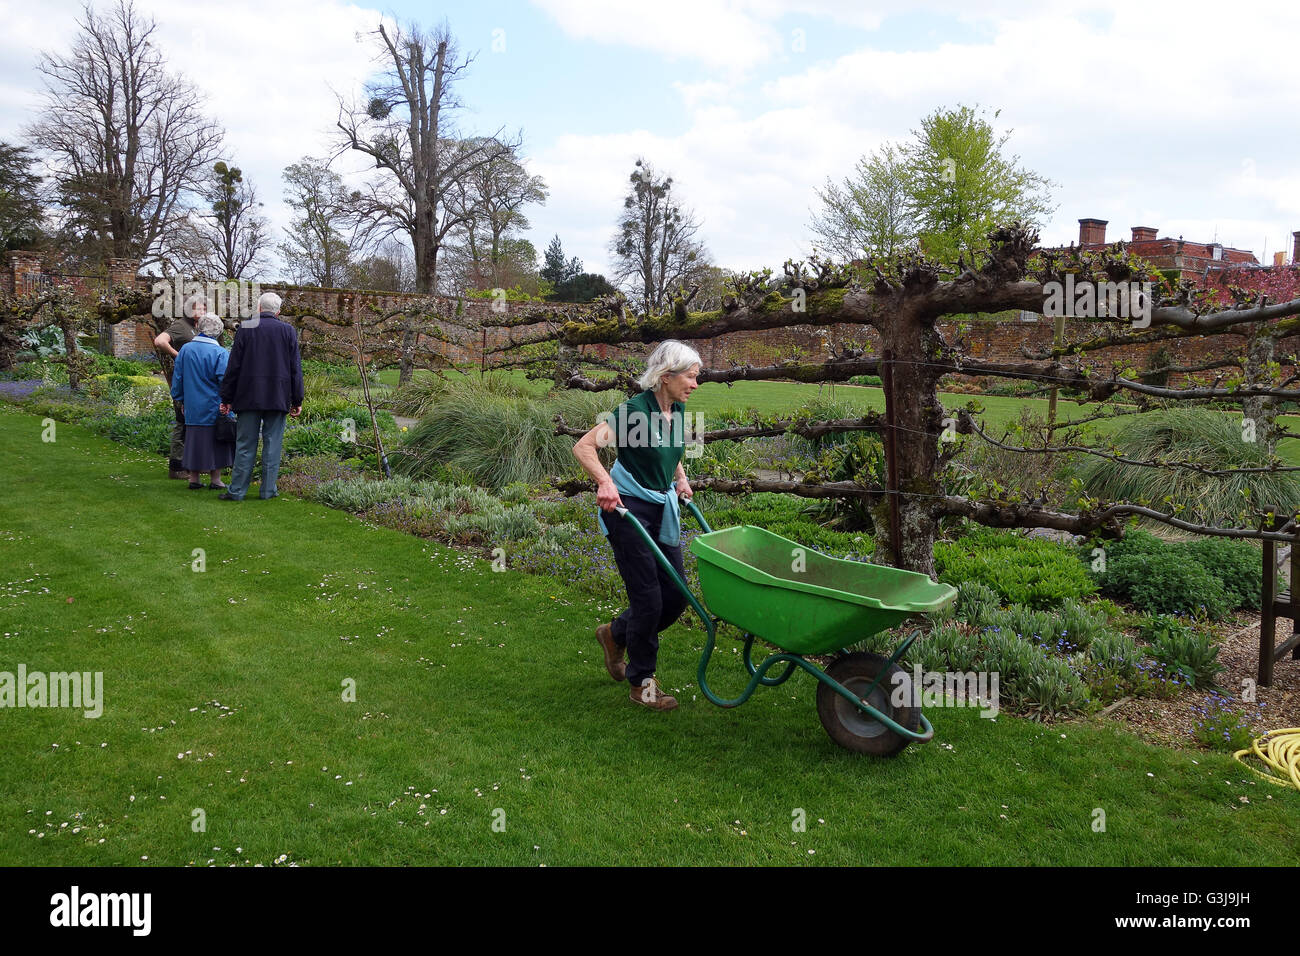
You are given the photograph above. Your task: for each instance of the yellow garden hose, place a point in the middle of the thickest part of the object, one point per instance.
(1280, 750)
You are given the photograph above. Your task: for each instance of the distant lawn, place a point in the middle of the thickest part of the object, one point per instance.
(772, 398)
(478, 692)
(780, 397)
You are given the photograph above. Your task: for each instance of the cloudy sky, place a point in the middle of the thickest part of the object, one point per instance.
(1183, 116)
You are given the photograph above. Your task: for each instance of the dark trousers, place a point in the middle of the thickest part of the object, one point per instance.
(654, 602)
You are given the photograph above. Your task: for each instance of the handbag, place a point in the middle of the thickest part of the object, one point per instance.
(224, 430)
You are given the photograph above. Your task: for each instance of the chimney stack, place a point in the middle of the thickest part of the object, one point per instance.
(1295, 252)
(1143, 233)
(1092, 232)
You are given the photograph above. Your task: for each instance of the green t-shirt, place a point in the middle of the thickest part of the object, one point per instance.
(180, 332)
(649, 443)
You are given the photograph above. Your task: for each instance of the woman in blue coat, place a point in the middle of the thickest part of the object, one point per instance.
(196, 383)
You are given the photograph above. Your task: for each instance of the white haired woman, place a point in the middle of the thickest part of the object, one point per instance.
(196, 384)
(648, 433)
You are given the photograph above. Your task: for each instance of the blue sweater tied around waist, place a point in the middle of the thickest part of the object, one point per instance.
(670, 526)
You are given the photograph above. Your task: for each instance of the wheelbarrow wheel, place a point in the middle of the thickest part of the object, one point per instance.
(855, 729)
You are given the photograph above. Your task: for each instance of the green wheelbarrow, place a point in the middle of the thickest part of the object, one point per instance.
(804, 602)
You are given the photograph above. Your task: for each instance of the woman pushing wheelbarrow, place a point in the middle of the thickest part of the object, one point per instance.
(768, 587)
(648, 435)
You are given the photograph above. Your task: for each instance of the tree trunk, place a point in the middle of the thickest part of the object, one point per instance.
(406, 363)
(913, 342)
(69, 328)
(1262, 409)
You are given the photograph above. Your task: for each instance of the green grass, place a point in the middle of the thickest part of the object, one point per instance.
(782, 397)
(483, 691)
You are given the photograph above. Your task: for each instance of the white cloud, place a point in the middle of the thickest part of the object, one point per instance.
(723, 33)
(266, 77)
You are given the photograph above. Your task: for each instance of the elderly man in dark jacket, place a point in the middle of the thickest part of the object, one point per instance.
(263, 382)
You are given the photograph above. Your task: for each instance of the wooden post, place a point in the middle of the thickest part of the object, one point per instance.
(891, 455)
(1267, 616)
(1295, 600)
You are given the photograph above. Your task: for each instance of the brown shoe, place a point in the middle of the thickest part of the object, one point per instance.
(649, 695)
(613, 653)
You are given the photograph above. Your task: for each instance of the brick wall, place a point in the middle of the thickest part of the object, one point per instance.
(986, 340)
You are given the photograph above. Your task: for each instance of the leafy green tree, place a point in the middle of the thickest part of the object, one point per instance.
(961, 184)
(555, 269)
(20, 205)
(584, 287)
(943, 190)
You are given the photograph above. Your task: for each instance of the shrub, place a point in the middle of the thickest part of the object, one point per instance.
(312, 440)
(1115, 653)
(1238, 566)
(150, 431)
(1052, 689)
(324, 406)
(725, 459)
(1165, 582)
(1186, 653)
(975, 602)
(303, 475)
(1020, 570)
(358, 494)
(111, 365)
(1011, 388)
(872, 381)
(1080, 624)
(1222, 726)
(953, 649)
(1008, 473)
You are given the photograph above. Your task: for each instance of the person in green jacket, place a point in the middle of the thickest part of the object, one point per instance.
(649, 436)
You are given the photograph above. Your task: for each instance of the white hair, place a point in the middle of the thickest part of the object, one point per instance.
(211, 325)
(269, 302)
(669, 358)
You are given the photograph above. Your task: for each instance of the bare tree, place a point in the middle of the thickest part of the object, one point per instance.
(405, 128)
(867, 215)
(655, 249)
(389, 268)
(316, 251)
(230, 239)
(126, 140)
(491, 197)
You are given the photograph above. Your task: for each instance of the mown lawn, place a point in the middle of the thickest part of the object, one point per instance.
(479, 692)
(777, 398)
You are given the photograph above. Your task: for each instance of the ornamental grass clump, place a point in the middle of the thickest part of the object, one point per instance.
(1209, 439)
(496, 437)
